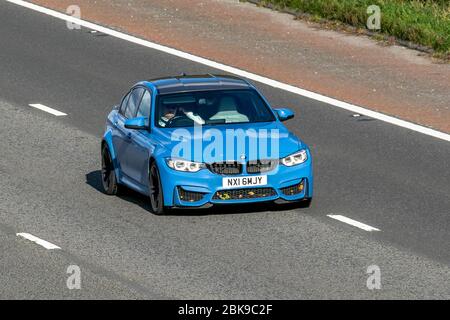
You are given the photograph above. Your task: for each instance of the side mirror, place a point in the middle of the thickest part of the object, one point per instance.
(284, 114)
(140, 123)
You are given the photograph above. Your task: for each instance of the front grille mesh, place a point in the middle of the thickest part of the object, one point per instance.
(293, 190)
(190, 196)
(225, 168)
(241, 194)
(260, 166)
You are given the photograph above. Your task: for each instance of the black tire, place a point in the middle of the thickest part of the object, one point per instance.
(155, 190)
(109, 179)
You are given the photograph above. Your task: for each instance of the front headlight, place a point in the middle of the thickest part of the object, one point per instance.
(183, 165)
(295, 158)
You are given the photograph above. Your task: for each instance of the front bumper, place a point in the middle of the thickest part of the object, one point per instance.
(203, 188)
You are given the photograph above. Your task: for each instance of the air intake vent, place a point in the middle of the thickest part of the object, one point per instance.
(260, 166)
(225, 168)
(242, 194)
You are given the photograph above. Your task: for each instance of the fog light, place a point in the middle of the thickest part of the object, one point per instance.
(295, 189)
(190, 196)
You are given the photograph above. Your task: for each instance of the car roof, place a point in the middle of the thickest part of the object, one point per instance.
(189, 83)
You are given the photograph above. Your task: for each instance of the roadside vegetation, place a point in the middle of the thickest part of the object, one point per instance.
(423, 22)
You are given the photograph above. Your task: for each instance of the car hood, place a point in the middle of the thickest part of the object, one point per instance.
(279, 140)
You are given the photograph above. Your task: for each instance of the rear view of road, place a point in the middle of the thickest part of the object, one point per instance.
(386, 177)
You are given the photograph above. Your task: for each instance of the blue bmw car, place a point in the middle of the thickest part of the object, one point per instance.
(202, 140)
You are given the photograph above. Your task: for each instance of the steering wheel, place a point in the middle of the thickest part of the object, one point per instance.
(179, 121)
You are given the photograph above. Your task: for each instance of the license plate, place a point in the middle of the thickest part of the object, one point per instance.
(238, 182)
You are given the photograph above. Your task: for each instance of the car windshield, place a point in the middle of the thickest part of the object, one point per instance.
(211, 108)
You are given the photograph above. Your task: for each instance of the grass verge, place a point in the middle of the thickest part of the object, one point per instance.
(424, 22)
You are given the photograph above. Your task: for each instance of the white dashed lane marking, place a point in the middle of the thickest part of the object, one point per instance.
(47, 245)
(48, 109)
(353, 222)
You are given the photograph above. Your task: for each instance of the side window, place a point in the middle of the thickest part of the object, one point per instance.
(123, 105)
(144, 107)
(133, 103)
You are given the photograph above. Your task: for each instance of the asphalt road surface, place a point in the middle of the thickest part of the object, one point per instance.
(387, 177)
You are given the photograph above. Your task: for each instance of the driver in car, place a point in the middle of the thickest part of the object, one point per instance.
(170, 113)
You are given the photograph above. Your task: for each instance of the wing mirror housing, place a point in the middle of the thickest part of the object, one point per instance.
(284, 114)
(140, 123)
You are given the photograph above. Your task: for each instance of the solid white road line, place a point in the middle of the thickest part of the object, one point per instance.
(47, 109)
(239, 72)
(353, 222)
(47, 245)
